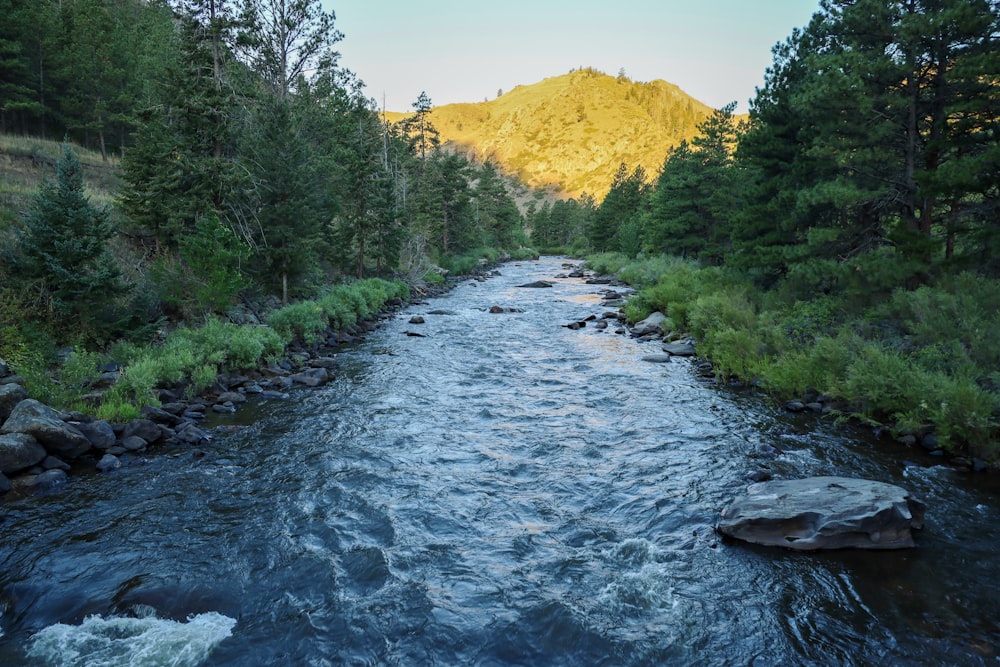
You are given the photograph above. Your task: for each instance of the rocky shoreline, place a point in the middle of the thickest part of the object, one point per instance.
(40, 446)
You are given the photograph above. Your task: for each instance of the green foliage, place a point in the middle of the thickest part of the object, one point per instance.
(606, 263)
(205, 277)
(340, 307)
(191, 356)
(304, 321)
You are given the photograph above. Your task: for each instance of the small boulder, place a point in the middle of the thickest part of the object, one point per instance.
(680, 349)
(160, 416)
(99, 432)
(537, 284)
(824, 513)
(19, 451)
(654, 324)
(312, 377)
(48, 479)
(10, 396)
(233, 397)
(55, 463)
(143, 428)
(108, 462)
(47, 427)
(417, 319)
(133, 443)
(329, 363)
(657, 358)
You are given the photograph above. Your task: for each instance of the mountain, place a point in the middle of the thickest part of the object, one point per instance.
(571, 132)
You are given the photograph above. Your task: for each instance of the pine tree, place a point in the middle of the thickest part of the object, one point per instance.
(62, 252)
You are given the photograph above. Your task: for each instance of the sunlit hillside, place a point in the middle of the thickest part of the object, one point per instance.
(572, 131)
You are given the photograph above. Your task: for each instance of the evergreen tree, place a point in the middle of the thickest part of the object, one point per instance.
(625, 200)
(286, 207)
(856, 136)
(286, 40)
(185, 162)
(423, 136)
(62, 252)
(697, 193)
(498, 217)
(367, 227)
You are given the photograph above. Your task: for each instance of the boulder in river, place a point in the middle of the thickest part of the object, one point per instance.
(537, 283)
(824, 513)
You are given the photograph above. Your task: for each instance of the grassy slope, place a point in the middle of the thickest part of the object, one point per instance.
(27, 161)
(572, 131)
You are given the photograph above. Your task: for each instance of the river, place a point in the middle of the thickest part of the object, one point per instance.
(500, 491)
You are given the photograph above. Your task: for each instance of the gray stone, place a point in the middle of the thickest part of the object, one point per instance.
(10, 396)
(48, 479)
(5, 484)
(47, 427)
(160, 416)
(134, 443)
(654, 324)
(143, 428)
(4, 369)
(192, 435)
(19, 451)
(100, 433)
(328, 363)
(824, 513)
(657, 358)
(232, 397)
(270, 394)
(108, 463)
(538, 283)
(680, 349)
(312, 377)
(416, 319)
(55, 463)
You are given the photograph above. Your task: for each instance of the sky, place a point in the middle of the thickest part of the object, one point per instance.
(468, 50)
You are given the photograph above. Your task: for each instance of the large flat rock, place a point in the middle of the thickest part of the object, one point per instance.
(824, 513)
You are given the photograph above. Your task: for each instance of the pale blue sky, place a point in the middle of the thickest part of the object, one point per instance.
(465, 50)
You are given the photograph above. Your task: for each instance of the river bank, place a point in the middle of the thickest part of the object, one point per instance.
(291, 347)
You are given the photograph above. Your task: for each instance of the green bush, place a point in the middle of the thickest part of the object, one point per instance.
(303, 321)
(606, 263)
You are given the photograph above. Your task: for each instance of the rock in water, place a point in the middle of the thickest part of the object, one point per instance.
(824, 513)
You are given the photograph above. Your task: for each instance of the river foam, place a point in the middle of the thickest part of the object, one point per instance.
(116, 641)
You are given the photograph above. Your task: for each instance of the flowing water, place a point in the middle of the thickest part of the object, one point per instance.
(502, 491)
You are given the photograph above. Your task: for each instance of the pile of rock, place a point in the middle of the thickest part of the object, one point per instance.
(38, 443)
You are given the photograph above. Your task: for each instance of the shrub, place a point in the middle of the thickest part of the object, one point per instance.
(303, 320)
(606, 263)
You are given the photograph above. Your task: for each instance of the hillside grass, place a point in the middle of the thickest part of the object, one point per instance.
(571, 132)
(26, 162)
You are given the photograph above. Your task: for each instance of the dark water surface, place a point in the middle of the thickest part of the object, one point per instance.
(503, 491)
